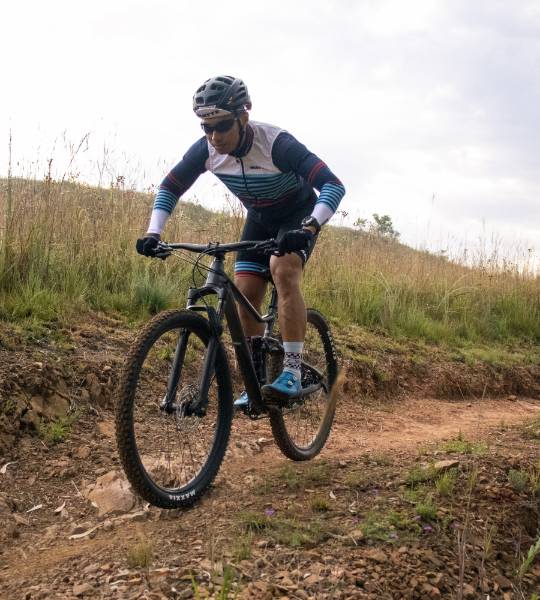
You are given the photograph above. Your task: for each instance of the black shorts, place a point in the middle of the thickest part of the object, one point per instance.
(257, 228)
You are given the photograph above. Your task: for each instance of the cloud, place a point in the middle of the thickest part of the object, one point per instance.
(403, 100)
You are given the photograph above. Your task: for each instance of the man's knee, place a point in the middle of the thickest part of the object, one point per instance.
(286, 271)
(253, 287)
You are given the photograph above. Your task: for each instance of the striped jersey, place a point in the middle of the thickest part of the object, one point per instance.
(271, 173)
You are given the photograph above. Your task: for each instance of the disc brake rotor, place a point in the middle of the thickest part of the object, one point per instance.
(188, 395)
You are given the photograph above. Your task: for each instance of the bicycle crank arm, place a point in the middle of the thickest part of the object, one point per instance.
(310, 389)
(313, 370)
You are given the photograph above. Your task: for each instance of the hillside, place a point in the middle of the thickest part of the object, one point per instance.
(428, 486)
(68, 248)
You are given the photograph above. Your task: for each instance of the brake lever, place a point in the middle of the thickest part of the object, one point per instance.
(267, 247)
(162, 250)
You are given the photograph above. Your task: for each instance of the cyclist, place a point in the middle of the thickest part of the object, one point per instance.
(274, 176)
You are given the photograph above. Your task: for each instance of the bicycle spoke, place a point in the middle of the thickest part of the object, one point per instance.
(302, 429)
(173, 447)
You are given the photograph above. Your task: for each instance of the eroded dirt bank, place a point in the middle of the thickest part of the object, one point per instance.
(413, 497)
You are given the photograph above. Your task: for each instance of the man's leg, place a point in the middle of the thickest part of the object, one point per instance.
(253, 287)
(287, 275)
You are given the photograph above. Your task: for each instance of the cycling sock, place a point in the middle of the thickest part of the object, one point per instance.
(293, 357)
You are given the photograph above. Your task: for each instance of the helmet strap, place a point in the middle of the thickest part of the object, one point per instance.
(242, 132)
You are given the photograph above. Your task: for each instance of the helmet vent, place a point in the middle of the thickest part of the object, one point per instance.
(224, 92)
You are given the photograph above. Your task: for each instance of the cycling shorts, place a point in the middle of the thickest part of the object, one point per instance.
(257, 228)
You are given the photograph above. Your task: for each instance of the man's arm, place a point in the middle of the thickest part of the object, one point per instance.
(178, 181)
(288, 154)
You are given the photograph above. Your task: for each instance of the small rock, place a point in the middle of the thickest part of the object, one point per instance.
(512, 398)
(468, 591)
(106, 428)
(503, 582)
(357, 535)
(444, 465)
(108, 525)
(83, 452)
(377, 555)
(20, 520)
(81, 589)
(55, 406)
(94, 388)
(80, 528)
(112, 494)
(431, 590)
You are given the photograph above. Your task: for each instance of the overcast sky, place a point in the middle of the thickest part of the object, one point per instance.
(429, 111)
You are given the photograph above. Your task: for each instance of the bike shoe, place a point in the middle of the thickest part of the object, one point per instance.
(286, 387)
(242, 403)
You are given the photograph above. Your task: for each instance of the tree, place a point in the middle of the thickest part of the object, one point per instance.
(382, 226)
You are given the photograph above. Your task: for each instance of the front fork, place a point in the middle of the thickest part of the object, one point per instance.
(168, 404)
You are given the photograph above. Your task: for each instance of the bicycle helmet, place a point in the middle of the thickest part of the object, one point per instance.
(221, 96)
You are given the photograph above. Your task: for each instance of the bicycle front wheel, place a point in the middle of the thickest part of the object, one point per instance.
(170, 454)
(302, 430)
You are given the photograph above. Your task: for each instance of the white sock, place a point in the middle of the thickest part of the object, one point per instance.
(293, 357)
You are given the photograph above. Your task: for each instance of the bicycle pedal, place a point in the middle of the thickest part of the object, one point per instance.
(275, 398)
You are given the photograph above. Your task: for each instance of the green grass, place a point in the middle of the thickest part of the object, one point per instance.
(460, 445)
(287, 531)
(388, 525)
(533, 552)
(427, 510)
(72, 250)
(241, 549)
(139, 555)
(356, 479)
(518, 480)
(446, 483)
(319, 504)
(56, 431)
(294, 478)
(419, 475)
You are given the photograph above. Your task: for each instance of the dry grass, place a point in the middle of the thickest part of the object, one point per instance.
(66, 247)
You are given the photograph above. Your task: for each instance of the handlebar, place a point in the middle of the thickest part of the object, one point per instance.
(164, 249)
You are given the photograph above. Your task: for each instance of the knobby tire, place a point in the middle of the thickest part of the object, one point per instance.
(126, 401)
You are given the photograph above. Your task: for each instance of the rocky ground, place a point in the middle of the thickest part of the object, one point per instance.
(415, 497)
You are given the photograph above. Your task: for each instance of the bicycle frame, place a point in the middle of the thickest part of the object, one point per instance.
(218, 283)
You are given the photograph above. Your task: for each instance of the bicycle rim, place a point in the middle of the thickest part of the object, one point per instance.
(302, 430)
(171, 456)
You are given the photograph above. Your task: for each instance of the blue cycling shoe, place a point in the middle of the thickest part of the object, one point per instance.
(242, 402)
(286, 387)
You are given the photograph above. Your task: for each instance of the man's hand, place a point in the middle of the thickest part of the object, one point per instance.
(147, 245)
(297, 239)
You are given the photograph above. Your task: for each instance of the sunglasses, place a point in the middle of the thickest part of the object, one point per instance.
(220, 127)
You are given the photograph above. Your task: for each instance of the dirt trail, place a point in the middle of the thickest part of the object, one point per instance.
(39, 561)
(410, 423)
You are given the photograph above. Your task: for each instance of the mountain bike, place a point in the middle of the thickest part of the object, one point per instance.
(174, 401)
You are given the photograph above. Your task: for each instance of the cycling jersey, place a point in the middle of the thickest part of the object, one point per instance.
(272, 174)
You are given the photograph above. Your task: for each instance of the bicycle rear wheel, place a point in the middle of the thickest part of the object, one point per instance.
(171, 457)
(302, 430)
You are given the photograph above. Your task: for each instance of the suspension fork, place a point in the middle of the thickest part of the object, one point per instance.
(168, 404)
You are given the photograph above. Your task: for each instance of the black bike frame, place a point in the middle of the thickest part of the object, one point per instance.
(218, 283)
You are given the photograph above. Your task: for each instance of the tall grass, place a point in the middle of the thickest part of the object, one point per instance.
(67, 247)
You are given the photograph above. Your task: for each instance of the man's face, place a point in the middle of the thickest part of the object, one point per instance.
(223, 132)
